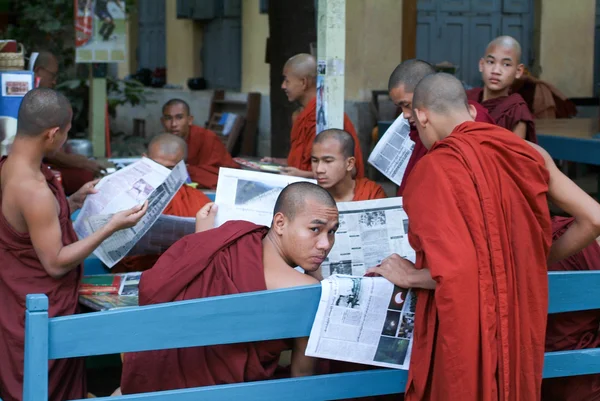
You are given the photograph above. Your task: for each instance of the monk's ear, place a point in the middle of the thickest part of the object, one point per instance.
(520, 70)
(190, 120)
(52, 134)
(481, 63)
(278, 223)
(421, 117)
(350, 163)
(472, 111)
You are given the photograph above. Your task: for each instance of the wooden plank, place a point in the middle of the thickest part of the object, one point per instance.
(572, 363)
(409, 29)
(573, 291)
(35, 380)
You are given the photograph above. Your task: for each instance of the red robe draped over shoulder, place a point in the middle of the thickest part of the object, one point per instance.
(206, 153)
(303, 134)
(479, 221)
(366, 189)
(507, 111)
(573, 330)
(186, 203)
(225, 260)
(74, 178)
(22, 273)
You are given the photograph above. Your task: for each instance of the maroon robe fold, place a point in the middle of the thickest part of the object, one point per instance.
(21, 273)
(226, 260)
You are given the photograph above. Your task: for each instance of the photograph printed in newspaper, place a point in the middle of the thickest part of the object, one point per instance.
(164, 232)
(363, 320)
(369, 232)
(392, 152)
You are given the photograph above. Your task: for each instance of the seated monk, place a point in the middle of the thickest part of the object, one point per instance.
(401, 87)
(300, 84)
(234, 258)
(499, 67)
(573, 330)
(206, 152)
(543, 99)
(167, 150)
(333, 162)
(480, 225)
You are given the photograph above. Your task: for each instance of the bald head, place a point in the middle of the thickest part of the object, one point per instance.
(302, 65)
(167, 150)
(176, 102)
(344, 139)
(46, 69)
(409, 73)
(43, 109)
(45, 59)
(293, 199)
(441, 93)
(506, 42)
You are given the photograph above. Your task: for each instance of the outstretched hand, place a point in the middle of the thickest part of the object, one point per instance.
(128, 218)
(394, 268)
(76, 200)
(205, 218)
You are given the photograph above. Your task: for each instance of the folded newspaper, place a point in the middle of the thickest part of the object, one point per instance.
(392, 152)
(126, 188)
(369, 232)
(363, 320)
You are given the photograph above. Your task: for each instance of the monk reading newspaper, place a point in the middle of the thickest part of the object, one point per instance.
(234, 258)
(167, 150)
(480, 225)
(499, 67)
(333, 162)
(39, 251)
(206, 153)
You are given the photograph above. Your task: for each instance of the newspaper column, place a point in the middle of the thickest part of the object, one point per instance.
(331, 51)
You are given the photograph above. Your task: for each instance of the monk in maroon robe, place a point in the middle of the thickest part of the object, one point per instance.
(235, 258)
(39, 250)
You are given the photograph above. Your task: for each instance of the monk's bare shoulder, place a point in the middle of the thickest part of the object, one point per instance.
(287, 277)
(26, 198)
(545, 155)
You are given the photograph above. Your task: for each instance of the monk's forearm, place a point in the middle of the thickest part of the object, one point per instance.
(420, 279)
(578, 236)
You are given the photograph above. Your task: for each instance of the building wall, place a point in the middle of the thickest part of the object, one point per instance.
(255, 31)
(184, 42)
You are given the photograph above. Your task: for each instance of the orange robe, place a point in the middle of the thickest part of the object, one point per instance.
(206, 153)
(479, 221)
(186, 203)
(303, 134)
(366, 189)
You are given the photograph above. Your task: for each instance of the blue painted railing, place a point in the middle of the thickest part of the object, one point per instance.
(266, 315)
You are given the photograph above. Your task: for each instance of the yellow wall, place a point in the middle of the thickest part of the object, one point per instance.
(567, 45)
(184, 41)
(255, 30)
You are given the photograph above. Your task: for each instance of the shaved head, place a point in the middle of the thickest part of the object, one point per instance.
(294, 197)
(303, 65)
(174, 102)
(342, 137)
(440, 93)
(168, 145)
(43, 109)
(507, 42)
(45, 59)
(409, 73)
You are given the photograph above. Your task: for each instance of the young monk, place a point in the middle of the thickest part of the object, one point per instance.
(39, 250)
(206, 153)
(235, 258)
(401, 87)
(300, 85)
(333, 161)
(480, 225)
(167, 150)
(499, 67)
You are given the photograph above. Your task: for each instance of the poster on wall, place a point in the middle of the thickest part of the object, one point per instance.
(100, 34)
(321, 102)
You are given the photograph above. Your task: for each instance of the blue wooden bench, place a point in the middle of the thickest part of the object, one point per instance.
(265, 315)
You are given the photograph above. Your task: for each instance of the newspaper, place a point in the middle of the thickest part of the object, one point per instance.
(369, 232)
(392, 152)
(164, 232)
(364, 320)
(130, 186)
(249, 195)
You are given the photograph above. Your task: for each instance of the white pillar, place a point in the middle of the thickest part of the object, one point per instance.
(331, 53)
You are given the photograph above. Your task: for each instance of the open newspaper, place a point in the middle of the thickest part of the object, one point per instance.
(392, 152)
(164, 232)
(130, 186)
(249, 195)
(364, 320)
(369, 232)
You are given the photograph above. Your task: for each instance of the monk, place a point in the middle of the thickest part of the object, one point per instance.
(167, 150)
(206, 153)
(500, 66)
(333, 161)
(480, 225)
(234, 258)
(401, 87)
(573, 330)
(39, 249)
(75, 170)
(300, 85)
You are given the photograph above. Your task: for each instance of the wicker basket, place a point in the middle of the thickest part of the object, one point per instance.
(12, 61)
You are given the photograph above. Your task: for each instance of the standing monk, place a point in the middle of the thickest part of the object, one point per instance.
(401, 87)
(480, 225)
(206, 152)
(333, 161)
(499, 67)
(300, 84)
(39, 250)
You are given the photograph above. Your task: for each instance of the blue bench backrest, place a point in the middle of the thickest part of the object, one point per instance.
(265, 315)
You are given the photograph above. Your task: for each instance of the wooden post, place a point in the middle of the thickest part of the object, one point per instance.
(97, 120)
(35, 378)
(409, 29)
(331, 52)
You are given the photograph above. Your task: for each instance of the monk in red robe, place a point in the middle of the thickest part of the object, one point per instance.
(206, 152)
(333, 162)
(39, 249)
(401, 87)
(573, 330)
(167, 150)
(500, 66)
(300, 85)
(235, 258)
(480, 225)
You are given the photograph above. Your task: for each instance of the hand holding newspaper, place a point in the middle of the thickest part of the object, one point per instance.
(363, 320)
(392, 152)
